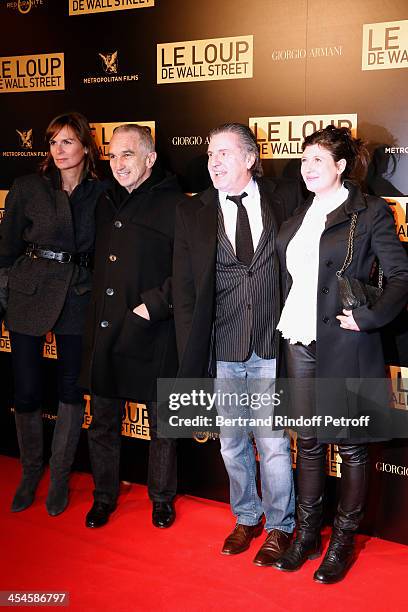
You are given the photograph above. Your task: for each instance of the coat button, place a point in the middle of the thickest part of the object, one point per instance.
(249, 273)
(109, 291)
(325, 290)
(328, 263)
(112, 258)
(326, 320)
(104, 323)
(249, 306)
(118, 224)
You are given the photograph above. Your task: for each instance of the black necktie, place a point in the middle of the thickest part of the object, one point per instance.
(244, 246)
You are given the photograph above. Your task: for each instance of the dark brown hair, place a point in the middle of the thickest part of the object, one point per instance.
(79, 124)
(248, 142)
(342, 145)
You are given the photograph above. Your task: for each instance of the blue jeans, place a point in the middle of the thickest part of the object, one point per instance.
(255, 376)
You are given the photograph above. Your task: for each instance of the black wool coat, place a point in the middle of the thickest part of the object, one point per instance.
(340, 353)
(38, 211)
(124, 354)
(194, 267)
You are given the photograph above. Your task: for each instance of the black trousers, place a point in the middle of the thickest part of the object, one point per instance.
(301, 365)
(104, 439)
(27, 364)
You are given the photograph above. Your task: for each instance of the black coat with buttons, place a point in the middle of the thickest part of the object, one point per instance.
(340, 353)
(124, 353)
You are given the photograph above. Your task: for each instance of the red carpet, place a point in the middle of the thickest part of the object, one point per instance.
(130, 565)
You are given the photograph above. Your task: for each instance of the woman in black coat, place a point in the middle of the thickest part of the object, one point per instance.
(333, 355)
(47, 238)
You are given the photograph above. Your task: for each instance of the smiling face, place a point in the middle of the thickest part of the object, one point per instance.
(321, 173)
(67, 150)
(130, 163)
(228, 163)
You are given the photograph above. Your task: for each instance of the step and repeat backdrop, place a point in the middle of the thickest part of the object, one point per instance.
(285, 68)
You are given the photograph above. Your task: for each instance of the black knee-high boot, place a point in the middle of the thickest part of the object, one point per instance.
(354, 483)
(30, 440)
(64, 444)
(311, 480)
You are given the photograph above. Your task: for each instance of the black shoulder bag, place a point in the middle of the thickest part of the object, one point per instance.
(353, 292)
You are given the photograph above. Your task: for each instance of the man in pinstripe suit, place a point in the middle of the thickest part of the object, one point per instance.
(226, 307)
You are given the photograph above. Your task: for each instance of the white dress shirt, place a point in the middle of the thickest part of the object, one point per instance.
(252, 203)
(298, 320)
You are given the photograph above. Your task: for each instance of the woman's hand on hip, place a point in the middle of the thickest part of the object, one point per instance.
(347, 321)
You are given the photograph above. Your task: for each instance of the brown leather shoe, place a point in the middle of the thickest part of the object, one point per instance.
(240, 539)
(276, 543)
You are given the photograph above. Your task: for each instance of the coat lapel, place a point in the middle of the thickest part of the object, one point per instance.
(222, 234)
(354, 203)
(63, 212)
(207, 225)
(65, 217)
(268, 221)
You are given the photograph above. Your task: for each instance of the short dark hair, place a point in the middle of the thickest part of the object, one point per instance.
(143, 131)
(248, 142)
(79, 124)
(341, 144)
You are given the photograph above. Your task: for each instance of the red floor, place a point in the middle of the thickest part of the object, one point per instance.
(130, 565)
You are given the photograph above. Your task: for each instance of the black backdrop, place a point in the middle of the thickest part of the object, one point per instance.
(283, 66)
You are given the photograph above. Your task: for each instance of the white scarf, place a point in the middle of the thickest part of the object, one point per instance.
(298, 320)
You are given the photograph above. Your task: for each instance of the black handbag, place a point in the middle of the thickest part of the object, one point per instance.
(353, 292)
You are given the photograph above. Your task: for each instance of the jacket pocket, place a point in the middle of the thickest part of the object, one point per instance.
(137, 338)
(138, 320)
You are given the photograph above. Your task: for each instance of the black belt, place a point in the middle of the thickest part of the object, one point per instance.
(81, 259)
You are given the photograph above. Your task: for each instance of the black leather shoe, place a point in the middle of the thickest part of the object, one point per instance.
(163, 514)
(337, 560)
(276, 543)
(298, 552)
(99, 514)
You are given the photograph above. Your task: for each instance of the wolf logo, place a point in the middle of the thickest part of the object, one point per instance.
(110, 62)
(26, 139)
(24, 6)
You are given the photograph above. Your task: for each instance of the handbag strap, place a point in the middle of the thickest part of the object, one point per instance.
(350, 246)
(350, 249)
(380, 277)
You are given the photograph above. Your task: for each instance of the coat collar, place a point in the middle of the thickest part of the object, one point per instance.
(157, 181)
(355, 202)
